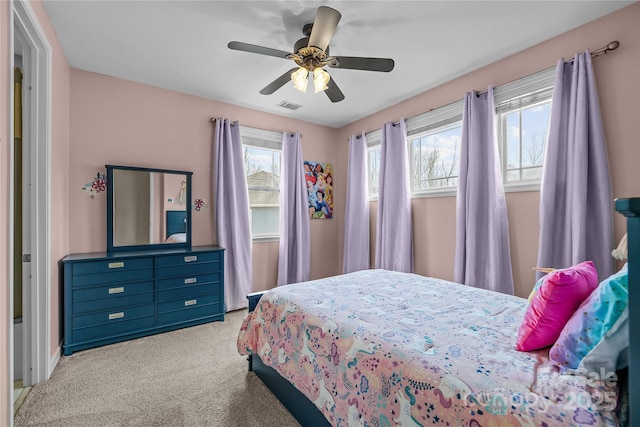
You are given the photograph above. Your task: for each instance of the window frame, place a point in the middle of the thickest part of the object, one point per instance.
(532, 100)
(373, 144)
(263, 140)
(526, 91)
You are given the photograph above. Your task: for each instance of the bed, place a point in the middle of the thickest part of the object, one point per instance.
(176, 225)
(380, 348)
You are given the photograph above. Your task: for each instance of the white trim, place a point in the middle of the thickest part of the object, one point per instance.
(436, 192)
(37, 298)
(519, 186)
(55, 358)
(8, 417)
(265, 239)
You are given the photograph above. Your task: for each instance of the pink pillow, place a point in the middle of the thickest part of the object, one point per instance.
(560, 294)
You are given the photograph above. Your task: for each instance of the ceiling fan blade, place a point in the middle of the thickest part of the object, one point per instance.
(324, 25)
(361, 63)
(252, 48)
(333, 91)
(278, 83)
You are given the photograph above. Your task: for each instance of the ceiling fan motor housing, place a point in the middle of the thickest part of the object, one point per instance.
(307, 56)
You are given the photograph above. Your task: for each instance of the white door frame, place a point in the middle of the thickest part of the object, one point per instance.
(37, 134)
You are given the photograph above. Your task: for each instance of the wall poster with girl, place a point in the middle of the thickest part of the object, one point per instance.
(319, 179)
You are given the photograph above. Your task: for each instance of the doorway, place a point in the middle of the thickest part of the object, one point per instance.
(18, 197)
(30, 205)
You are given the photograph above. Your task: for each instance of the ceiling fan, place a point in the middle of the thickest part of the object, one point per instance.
(311, 54)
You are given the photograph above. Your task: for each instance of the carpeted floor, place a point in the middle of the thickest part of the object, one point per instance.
(189, 377)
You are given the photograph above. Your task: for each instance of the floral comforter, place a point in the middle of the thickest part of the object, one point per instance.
(378, 348)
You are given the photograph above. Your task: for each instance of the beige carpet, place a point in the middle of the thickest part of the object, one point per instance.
(189, 377)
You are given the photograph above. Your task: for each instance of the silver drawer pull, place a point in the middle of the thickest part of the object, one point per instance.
(191, 280)
(190, 258)
(116, 290)
(116, 315)
(191, 302)
(116, 264)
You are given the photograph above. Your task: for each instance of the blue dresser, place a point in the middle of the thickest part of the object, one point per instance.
(111, 297)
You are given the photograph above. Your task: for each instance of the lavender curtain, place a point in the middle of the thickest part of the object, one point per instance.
(294, 263)
(232, 214)
(482, 229)
(394, 239)
(575, 198)
(356, 216)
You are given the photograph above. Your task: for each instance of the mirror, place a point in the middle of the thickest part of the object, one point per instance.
(148, 208)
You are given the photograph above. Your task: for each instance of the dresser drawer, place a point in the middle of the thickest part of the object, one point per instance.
(187, 292)
(113, 316)
(190, 314)
(188, 269)
(188, 304)
(112, 291)
(109, 265)
(111, 277)
(112, 303)
(110, 330)
(191, 258)
(196, 279)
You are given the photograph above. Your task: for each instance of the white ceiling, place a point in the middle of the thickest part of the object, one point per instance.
(182, 45)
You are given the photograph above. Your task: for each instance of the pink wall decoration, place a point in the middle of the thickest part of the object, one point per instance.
(199, 204)
(97, 185)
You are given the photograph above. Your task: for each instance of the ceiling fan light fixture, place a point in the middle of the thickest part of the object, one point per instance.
(320, 79)
(300, 79)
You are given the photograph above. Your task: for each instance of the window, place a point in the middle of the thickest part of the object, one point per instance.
(523, 110)
(373, 164)
(435, 158)
(523, 134)
(262, 154)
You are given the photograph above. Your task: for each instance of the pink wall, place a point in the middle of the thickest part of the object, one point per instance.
(619, 89)
(115, 121)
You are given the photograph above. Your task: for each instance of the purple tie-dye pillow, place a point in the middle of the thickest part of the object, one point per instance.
(559, 295)
(597, 335)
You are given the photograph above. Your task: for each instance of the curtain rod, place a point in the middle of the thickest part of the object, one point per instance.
(613, 45)
(603, 50)
(213, 120)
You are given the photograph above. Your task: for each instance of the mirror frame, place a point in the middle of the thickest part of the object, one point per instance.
(151, 246)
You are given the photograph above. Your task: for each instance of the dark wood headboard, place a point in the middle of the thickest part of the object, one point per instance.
(176, 222)
(631, 209)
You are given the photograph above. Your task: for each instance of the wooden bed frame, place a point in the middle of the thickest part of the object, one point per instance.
(308, 415)
(175, 222)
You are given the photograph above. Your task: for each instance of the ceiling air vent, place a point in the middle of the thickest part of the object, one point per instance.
(289, 105)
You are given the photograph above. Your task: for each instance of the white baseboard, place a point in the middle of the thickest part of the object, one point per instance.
(53, 360)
